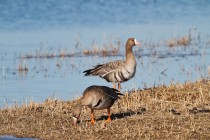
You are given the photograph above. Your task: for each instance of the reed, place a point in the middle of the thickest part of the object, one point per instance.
(22, 67)
(107, 48)
(3, 72)
(183, 41)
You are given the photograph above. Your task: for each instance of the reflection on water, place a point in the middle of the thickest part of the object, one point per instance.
(45, 45)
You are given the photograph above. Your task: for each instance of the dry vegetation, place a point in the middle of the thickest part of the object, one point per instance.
(183, 41)
(179, 111)
(108, 47)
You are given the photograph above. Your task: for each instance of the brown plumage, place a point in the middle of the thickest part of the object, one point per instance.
(117, 71)
(96, 97)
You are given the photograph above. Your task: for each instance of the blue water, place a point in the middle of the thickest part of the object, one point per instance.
(14, 138)
(27, 27)
(37, 14)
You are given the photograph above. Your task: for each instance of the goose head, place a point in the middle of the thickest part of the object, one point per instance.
(133, 42)
(75, 115)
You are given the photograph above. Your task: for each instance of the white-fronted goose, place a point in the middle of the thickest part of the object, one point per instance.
(117, 71)
(96, 98)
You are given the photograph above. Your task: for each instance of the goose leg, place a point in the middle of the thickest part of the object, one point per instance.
(114, 85)
(92, 116)
(109, 116)
(119, 86)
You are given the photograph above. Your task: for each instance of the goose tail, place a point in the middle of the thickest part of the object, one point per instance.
(92, 71)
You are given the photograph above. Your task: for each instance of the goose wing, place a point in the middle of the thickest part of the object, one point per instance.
(111, 92)
(103, 69)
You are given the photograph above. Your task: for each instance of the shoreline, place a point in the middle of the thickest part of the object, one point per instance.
(164, 112)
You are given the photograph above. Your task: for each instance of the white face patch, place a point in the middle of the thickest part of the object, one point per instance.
(75, 119)
(135, 41)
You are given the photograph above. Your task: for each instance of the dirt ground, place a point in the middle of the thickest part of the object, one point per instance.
(178, 111)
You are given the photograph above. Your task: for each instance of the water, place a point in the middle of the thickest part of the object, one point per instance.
(7, 137)
(50, 26)
(50, 13)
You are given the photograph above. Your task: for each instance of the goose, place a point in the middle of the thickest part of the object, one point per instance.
(96, 98)
(117, 71)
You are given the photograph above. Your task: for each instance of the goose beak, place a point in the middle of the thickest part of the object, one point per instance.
(74, 121)
(137, 43)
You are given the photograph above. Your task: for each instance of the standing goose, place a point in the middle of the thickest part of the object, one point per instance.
(117, 71)
(96, 98)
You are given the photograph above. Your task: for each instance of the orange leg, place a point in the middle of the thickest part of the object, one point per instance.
(109, 116)
(119, 86)
(92, 116)
(114, 85)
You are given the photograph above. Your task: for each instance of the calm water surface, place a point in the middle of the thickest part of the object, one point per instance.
(57, 26)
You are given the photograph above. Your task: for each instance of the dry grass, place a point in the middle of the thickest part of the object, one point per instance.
(183, 41)
(22, 67)
(111, 46)
(107, 48)
(179, 111)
